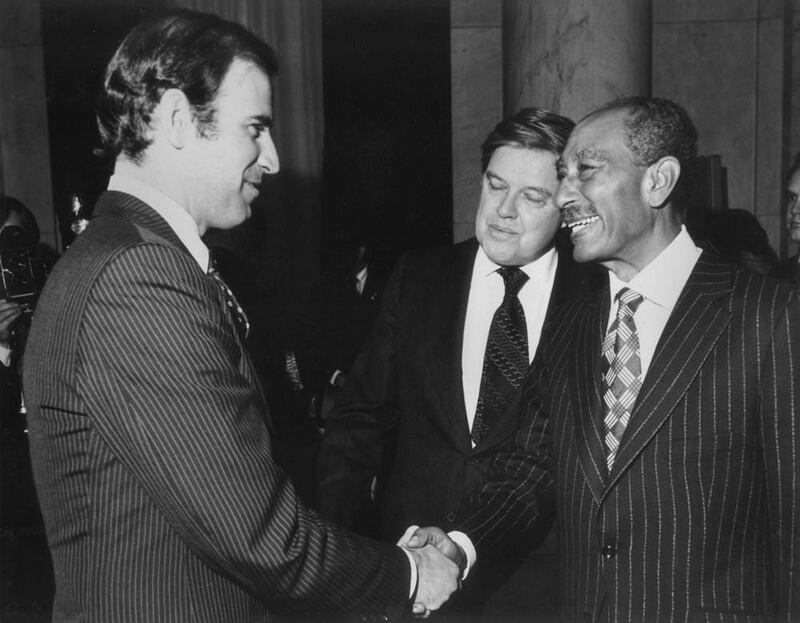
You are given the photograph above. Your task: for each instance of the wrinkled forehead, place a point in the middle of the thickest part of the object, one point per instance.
(598, 136)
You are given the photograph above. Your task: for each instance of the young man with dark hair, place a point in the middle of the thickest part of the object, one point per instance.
(150, 437)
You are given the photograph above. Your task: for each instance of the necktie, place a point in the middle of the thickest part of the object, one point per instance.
(506, 359)
(239, 317)
(623, 378)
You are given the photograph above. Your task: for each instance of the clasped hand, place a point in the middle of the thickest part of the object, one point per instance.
(440, 564)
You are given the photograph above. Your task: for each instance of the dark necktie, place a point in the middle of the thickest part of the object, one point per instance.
(239, 317)
(506, 360)
(623, 377)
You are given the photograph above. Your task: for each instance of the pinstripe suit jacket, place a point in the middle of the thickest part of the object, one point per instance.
(152, 453)
(699, 519)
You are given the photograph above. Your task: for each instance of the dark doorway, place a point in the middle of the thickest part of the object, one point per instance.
(387, 167)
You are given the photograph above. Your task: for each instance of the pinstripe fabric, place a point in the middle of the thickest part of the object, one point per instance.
(699, 518)
(151, 449)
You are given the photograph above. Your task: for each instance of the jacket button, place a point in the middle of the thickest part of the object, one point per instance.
(608, 551)
(451, 516)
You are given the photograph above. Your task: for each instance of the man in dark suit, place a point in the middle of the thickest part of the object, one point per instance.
(150, 439)
(789, 269)
(415, 399)
(662, 412)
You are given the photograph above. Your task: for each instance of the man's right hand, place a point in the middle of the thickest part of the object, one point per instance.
(9, 313)
(438, 577)
(422, 537)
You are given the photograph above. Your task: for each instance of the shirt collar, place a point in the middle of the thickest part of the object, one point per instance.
(171, 211)
(538, 269)
(662, 280)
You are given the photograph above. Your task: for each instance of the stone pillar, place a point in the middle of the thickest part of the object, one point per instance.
(477, 99)
(24, 147)
(574, 55)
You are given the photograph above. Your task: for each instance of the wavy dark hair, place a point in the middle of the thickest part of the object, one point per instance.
(183, 50)
(531, 128)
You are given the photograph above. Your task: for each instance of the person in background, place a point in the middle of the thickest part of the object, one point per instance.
(736, 236)
(789, 269)
(662, 412)
(25, 573)
(430, 401)
(150, 438)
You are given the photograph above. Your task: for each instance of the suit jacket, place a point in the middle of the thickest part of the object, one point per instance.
(403, 405)
(152, 452)
(699, 518)
(788, 270)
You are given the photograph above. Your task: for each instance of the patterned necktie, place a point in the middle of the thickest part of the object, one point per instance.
(623, 377)
(239, 317)
(506, 360)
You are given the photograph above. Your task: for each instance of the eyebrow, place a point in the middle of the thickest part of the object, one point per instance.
(589, 153)
(538, 189)
(264, 120)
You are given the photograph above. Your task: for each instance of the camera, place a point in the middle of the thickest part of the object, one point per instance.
(21, 276)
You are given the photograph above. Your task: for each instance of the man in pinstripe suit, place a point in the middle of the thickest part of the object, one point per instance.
(672, 447)
(150, 438)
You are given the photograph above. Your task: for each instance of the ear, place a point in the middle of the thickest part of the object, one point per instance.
(660, 179)
(173, 118)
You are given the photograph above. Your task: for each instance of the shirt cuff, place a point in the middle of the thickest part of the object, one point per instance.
(5, 355)
(413, 587)
(464, 542)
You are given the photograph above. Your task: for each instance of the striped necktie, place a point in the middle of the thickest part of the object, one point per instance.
(506, 359)
(239, 317)
(623, 377)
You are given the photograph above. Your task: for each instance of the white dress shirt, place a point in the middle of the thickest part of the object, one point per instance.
(486, 292)
(660, 283)
(179, 220)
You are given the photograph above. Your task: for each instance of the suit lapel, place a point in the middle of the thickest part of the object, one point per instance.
(450, 305)
(700, 316)
(585, 386)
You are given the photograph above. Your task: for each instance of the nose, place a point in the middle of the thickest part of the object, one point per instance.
(566, 194)
(508, 206)
(268, 156)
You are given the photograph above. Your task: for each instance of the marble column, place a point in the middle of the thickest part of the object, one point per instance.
(477, 99)
(574, 55)
(24, 146)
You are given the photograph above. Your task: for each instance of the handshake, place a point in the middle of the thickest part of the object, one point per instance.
(441, 564)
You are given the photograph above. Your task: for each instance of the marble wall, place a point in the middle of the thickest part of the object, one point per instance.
(24, 148)
(729, 62)
(724, 60)
(477, 99)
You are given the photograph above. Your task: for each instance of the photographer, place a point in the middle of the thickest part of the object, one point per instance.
(25, 569)
(23, 272)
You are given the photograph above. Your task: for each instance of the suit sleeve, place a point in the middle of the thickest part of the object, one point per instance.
(515, 505)
(779, 406)
(167, 388)
(359, 427)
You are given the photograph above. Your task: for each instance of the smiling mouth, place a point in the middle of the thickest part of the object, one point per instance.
(580, 224)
